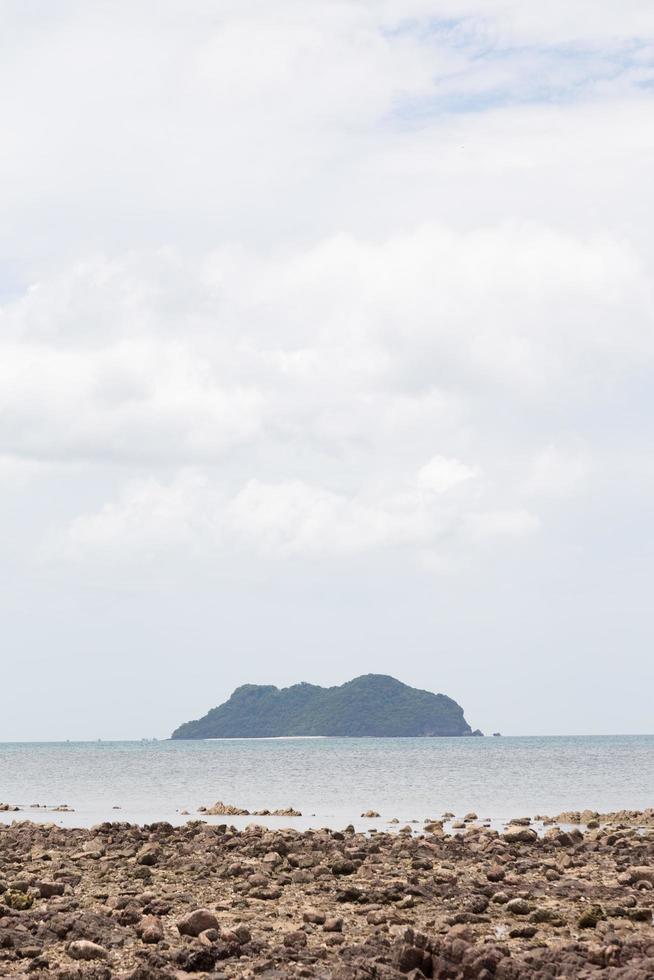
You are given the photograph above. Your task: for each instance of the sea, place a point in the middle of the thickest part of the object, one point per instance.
(332, 781)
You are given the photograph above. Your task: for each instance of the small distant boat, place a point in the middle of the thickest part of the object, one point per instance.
(497, 734)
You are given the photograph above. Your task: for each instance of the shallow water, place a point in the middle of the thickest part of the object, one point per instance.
(332, 780)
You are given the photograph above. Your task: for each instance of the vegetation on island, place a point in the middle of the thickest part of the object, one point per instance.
(371, 705)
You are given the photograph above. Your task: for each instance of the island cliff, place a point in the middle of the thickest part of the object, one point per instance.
(371, 705)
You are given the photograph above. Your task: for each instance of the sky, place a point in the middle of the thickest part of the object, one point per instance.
(326, 348)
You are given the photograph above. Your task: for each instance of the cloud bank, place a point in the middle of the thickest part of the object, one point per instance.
(291, 292)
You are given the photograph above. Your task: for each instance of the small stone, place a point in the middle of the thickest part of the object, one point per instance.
(590, 918)
(523, 932)
(523, 836)
(333, 924)
(518, 906)
(343, 867)
(258, 880)
(196, 922)
(30, 952)
(496, 874)
(546, 915)
(243, 934)
(640, 915)
(433, 827)
(84, 949)
(637, 874)
(200, 959)
(48, 889)
(296, 938)
(150, 929)
(409, 958)
(148, 855)
(302, 876)
(317, 918)
(18, 900)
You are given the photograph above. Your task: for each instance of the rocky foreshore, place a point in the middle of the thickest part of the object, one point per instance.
(163, 902)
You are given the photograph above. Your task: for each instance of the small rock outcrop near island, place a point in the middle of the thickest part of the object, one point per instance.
(373, 705)
(225, 809)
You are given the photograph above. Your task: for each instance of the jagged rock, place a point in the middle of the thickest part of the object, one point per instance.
(223, 810)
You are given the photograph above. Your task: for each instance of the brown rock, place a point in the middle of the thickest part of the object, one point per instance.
(310, 915)
(84, 949)
(220, 809)
(524, 835)
(150, 929)
(148, 855)
(518, 906)
(49, 889)
(197, 921)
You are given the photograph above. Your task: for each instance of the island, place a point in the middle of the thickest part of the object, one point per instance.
(373, 705)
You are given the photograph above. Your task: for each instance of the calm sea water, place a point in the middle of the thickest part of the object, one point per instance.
(332, 780)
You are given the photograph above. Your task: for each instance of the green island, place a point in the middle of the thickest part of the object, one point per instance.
(373, 705)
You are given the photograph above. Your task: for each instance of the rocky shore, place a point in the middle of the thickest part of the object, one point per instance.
(162, 902)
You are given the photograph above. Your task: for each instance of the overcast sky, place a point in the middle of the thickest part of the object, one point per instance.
(326, 347)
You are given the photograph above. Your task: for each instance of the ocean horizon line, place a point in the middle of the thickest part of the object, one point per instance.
(287, 738)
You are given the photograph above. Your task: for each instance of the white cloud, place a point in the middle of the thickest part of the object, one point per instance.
(150, 519)
(158, 358)
(441, 474)
(194, 516)
(319, 288)
(481, 526)
(558, 472)
(16, 472)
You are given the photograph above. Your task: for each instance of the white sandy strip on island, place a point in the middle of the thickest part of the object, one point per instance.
(257, 738)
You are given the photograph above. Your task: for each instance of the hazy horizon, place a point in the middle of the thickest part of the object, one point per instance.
(326, 348)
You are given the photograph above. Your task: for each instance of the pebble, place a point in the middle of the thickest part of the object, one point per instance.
(197, 921)
(84, 949)
(518, 906)
(150, 929)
